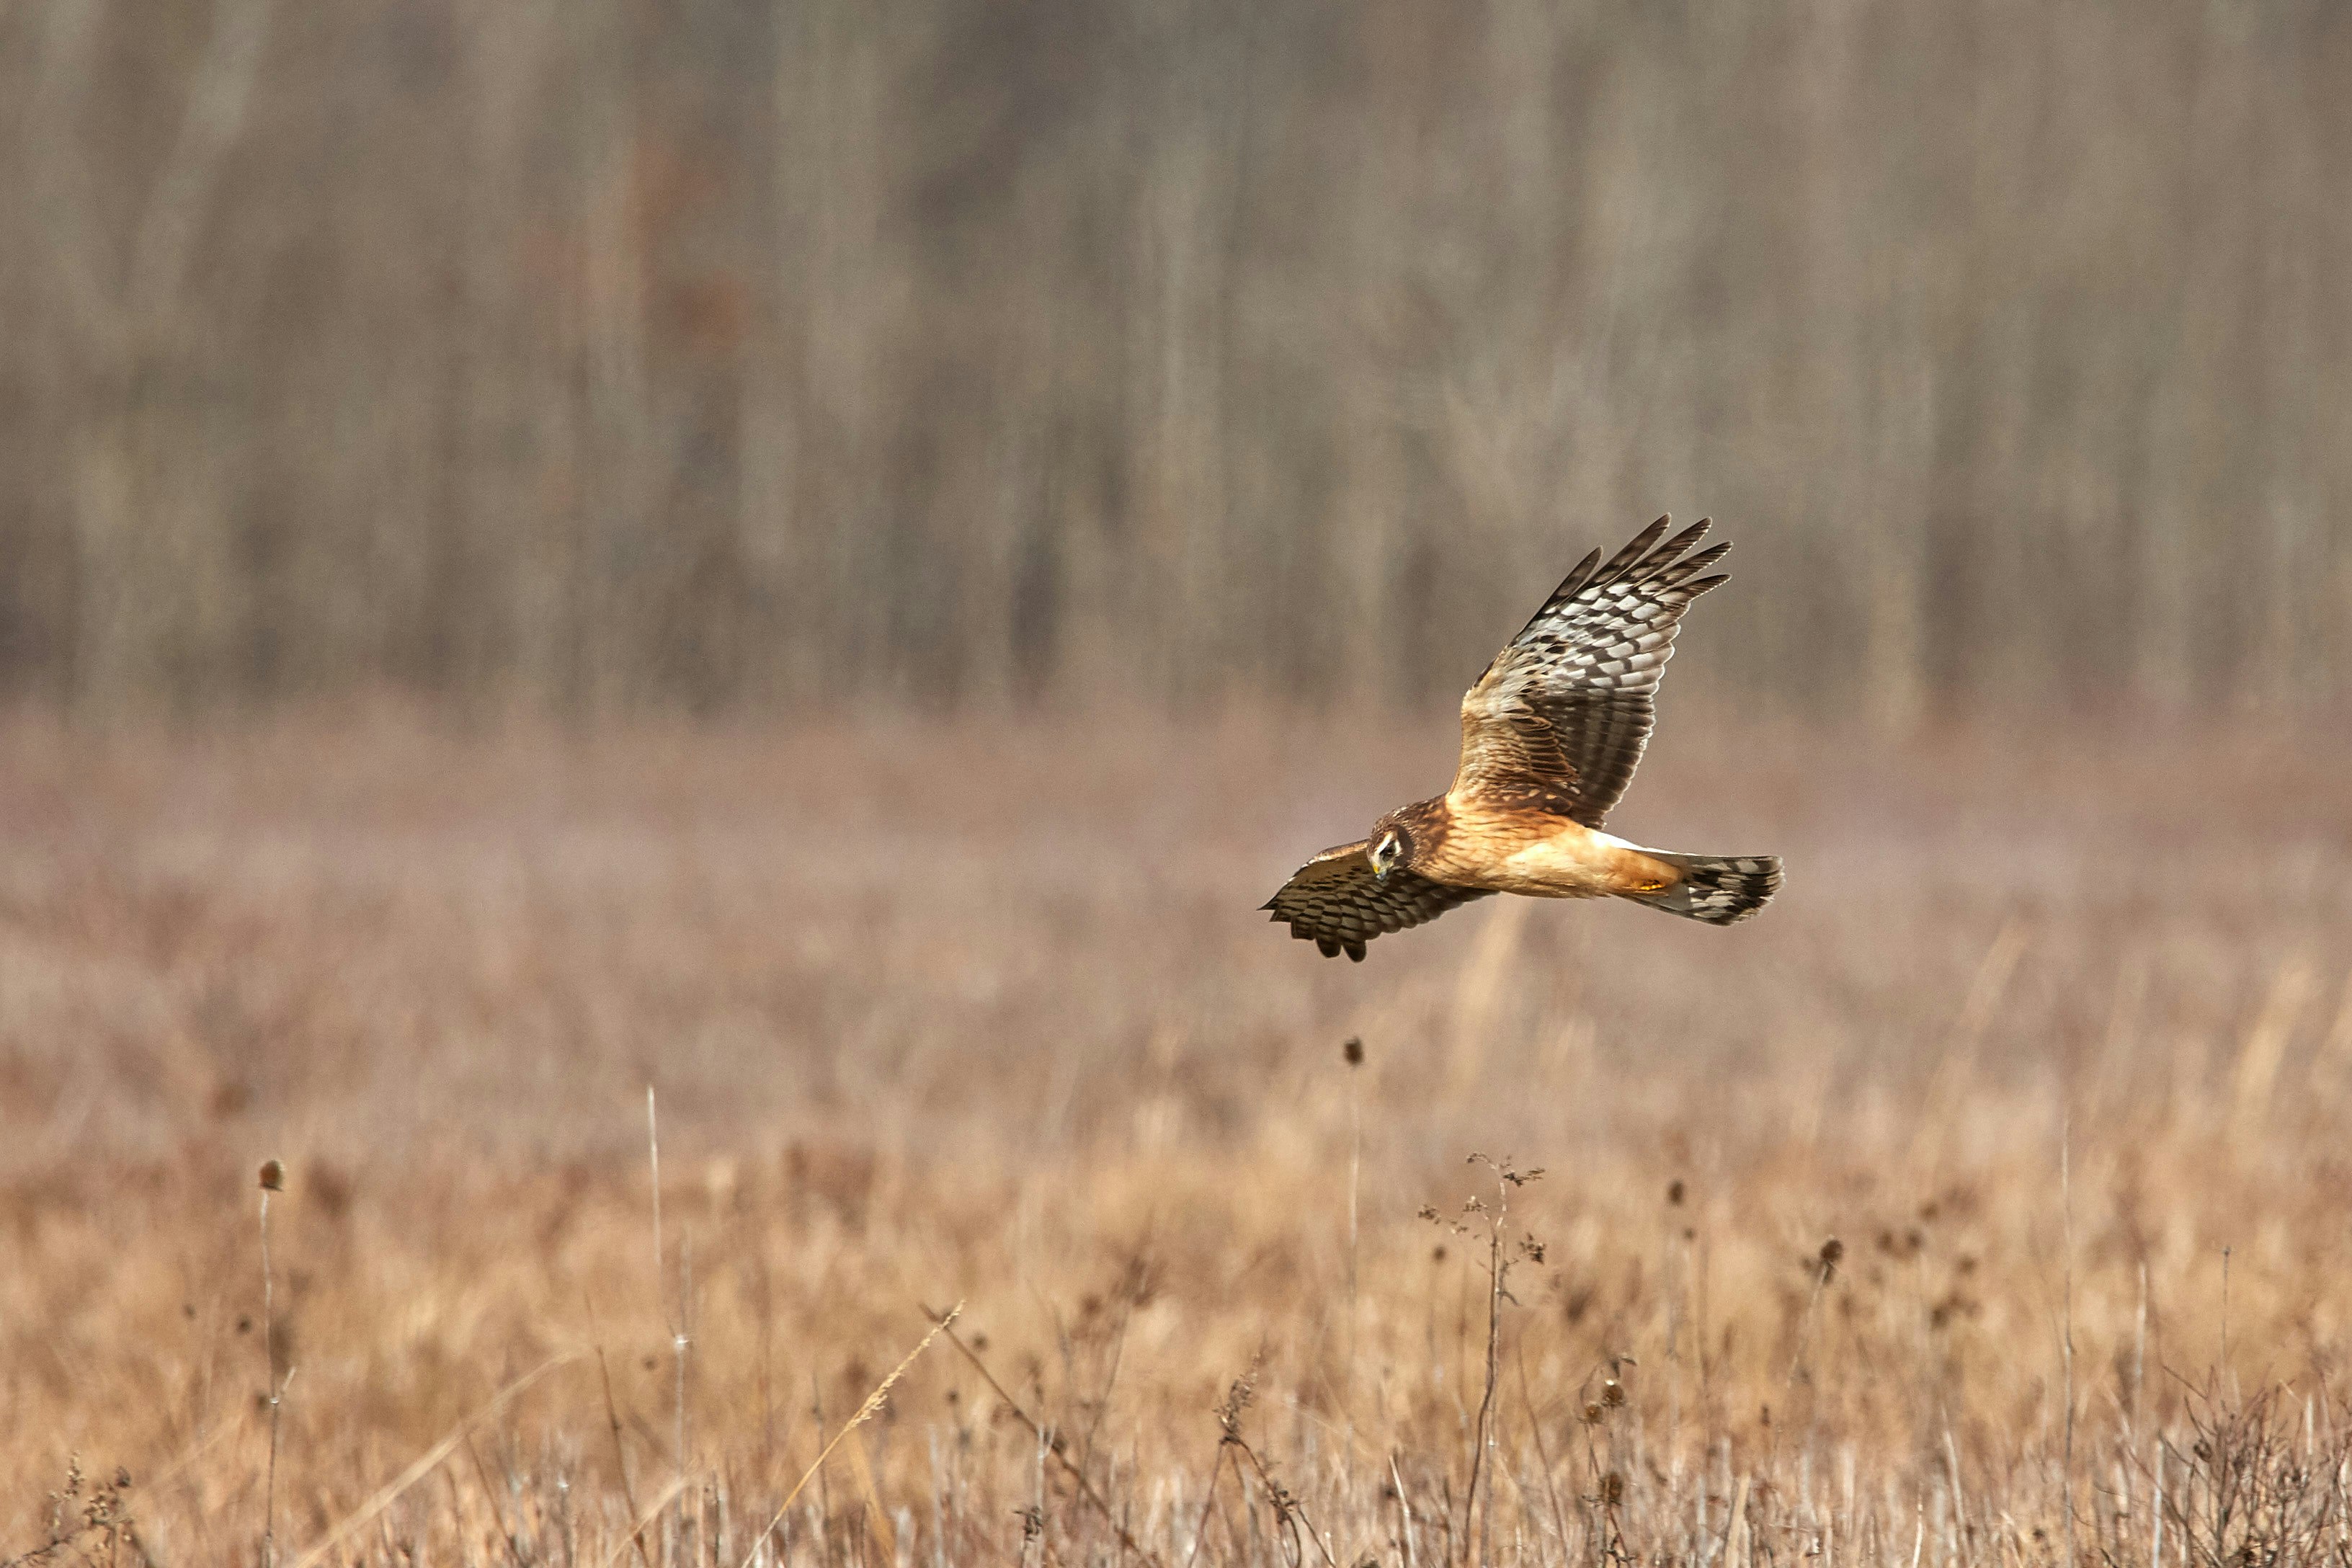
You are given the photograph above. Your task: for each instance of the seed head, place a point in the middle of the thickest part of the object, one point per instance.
(1832, 1251)
(1352, 1053)
(273, 1176)
(1613, 1489)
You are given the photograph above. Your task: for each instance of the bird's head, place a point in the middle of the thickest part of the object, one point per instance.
(1391, 847)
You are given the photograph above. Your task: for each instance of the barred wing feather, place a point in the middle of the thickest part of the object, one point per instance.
(1336, 901)
(1560, 717)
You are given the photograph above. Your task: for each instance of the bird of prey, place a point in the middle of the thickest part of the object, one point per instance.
(1551, 735)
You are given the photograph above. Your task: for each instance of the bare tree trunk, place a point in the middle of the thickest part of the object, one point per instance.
(134, 551)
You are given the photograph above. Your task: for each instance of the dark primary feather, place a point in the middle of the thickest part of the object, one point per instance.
(1336, 901)
(1560, 717)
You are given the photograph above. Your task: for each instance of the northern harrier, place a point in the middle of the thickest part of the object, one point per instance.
(1549, 737)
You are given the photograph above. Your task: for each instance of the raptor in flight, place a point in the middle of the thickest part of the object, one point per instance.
(1551, 735)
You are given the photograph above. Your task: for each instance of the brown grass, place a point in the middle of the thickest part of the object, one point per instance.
(1990, 1182)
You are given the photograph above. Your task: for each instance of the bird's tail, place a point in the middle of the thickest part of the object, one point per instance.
(1718, 889)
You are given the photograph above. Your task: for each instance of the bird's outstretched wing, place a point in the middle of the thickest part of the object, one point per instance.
(1559, 720)
(1336, 901)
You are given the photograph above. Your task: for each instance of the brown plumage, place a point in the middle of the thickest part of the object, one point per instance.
(1550, 736)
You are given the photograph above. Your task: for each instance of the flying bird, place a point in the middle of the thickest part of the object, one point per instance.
(1551, 735)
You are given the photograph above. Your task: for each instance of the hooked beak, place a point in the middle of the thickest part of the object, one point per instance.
(1380, 869)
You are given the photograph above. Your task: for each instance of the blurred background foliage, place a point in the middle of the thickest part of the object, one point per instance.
(599, 356)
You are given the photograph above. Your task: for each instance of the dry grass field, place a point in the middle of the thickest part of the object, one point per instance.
(1986, 1202)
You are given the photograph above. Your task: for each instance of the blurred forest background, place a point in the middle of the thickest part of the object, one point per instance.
(597, 357)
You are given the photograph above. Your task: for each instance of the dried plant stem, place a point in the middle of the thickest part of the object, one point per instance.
(682, 1338)
(1208, 1499)
(1486, 1397)
(652, 1160)
(1354, 1057)
(2224, 1367)
(1285, 1506)
(1404, 1513)
(2139, 1346)
(873, 1402)
(1493, 1353)
(426, 1463)
(1086, 1488)
(276, 1389)
(2066, 1343)
(498, 1510)
(1805, 1336)
(666, 1496)
(1543, 1451)
(621, 1457)
(674, 1322)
